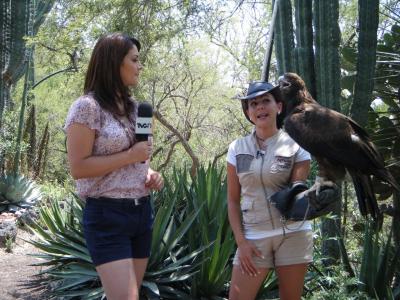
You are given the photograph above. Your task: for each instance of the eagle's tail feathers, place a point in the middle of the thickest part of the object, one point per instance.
(365, 196)
(359, 194)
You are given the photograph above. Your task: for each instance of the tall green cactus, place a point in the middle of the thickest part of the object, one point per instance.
(15, 28)
(304, 52)
(327, 40)
(327, 67)
(18, 19)
(284, 42)
(27, 86)
(29, 138)
(43, 149)
(367, 41)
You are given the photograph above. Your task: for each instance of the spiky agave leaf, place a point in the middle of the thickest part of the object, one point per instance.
(18, 191)
(59, 236)
(207, 194)
(172, 264)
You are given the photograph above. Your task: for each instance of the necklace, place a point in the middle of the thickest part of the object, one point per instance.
(262, 144)
(259, 139)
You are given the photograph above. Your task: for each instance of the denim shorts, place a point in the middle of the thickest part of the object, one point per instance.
(116, 229)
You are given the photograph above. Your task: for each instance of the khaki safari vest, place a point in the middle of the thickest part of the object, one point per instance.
(262, 173)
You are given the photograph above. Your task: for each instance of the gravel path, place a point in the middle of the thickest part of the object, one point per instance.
(16, 272)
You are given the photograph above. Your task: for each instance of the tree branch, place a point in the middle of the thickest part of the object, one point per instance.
(182, 139)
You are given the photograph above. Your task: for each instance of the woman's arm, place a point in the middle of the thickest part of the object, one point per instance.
(80, 140)
(234, 212)
(300, 171)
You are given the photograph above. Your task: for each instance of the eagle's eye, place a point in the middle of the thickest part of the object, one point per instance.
(283, 83)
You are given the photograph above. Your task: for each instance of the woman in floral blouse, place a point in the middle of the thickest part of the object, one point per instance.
(106, 163)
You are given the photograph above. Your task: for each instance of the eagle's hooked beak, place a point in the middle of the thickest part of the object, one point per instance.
(283, 83)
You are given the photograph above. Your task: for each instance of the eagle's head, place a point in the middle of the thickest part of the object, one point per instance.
(293, 90)
(290, 84)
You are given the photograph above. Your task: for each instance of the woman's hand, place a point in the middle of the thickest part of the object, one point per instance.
(246, 252)
(140, 151)
(154, 180)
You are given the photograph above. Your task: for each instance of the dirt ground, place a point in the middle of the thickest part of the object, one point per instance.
(16, 272)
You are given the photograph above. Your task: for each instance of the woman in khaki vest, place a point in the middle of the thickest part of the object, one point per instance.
(260, 164)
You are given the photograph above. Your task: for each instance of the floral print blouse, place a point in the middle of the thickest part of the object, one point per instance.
(110, 137)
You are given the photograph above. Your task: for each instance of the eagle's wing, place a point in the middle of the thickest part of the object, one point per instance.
(330, 137)
(334, 137)
(326, 133)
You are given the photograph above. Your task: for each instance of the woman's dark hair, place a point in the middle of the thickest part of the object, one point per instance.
(103, 76)
(278, 98)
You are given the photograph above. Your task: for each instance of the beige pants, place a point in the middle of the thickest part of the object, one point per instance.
(282, 250)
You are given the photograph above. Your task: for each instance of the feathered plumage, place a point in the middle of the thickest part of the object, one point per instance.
(336, 141)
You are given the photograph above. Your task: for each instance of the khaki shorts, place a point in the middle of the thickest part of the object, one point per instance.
(282, 250)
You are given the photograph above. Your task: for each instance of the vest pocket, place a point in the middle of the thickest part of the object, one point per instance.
(248, 213)
(243, 162)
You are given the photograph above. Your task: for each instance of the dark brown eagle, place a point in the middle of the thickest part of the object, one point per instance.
(336, 142)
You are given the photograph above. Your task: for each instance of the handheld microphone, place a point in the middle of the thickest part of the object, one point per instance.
(143, 127)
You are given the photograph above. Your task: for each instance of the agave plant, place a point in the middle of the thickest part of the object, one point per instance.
(17, 191)
(172, 263)
(207, 194)
(69, 267)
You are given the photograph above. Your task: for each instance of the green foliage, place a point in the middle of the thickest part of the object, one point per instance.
(368, 269)
(172, 263)
(181, 264)
(9, 244)
(7, 139)
(208, 194)
(382, 118)
(66, 258)
(378, 266)
(17, 191)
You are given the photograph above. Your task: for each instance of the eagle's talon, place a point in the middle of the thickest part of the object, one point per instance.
(319, 183)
